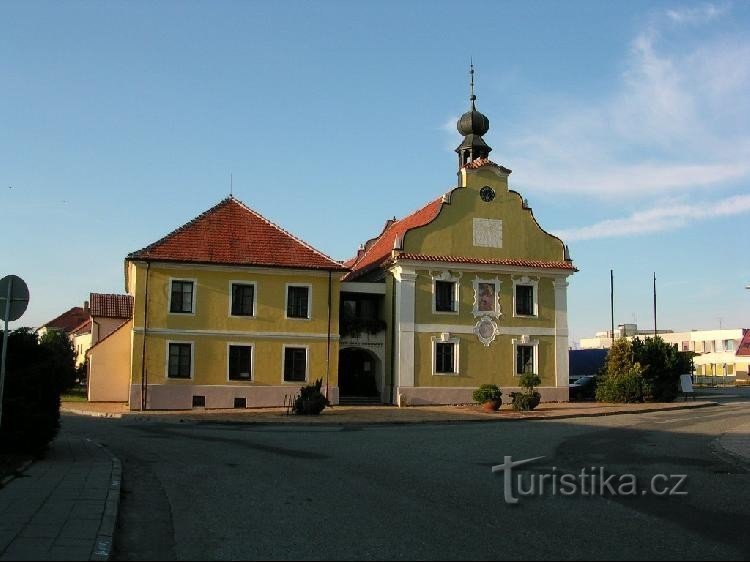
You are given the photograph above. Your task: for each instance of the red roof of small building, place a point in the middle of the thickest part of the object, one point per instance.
(377, 251)
(83, 328)
(482, 162)
(111, 306)
(744, 348)
(233, 234)
(68, 320)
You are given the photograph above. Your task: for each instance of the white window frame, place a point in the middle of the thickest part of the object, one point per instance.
(450, 278)
(255, 298)
(446, 337)
(525, 341)
(497, 312)
(193, 300)
(252, 360)
(192, 360)
(307, 362)
(527, 281)
(309, 301)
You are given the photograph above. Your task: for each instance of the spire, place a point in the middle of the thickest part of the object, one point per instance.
(472, 125)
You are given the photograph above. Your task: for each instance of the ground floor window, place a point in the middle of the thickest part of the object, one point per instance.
(240, 362)
(524, 359)
(444, 355)
(180, 360)
(295, 364)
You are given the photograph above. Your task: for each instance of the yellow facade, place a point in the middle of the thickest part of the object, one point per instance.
(211, 329)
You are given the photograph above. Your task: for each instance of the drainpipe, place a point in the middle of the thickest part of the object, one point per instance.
(144, 372)
(328, 346)
(393, 328)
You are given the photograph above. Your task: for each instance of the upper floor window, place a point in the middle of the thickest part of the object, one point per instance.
(298, 301)
(445, 296)
(525, 296)
(243, 299)
(181, 296)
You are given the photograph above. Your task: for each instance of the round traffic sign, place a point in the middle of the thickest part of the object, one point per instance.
(14, 297)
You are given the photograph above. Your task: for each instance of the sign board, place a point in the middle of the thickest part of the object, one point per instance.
(13, 289)
(686, 384)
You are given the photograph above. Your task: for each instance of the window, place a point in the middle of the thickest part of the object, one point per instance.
(199, 401)
(243, 299)
(180, 360)
(297, 301)
(295, 364)
(445, 292)
(240, 362)
(444, 357)
(524, 359)
(240, 402)
(524, 300)
(181, 297)
(525, 296)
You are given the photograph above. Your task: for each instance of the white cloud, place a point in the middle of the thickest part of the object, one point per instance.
(678, 120)
(667, 216)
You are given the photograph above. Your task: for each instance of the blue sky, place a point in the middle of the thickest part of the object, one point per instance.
(626, 125)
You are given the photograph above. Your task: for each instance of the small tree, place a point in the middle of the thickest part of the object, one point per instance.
(622, 379)
(530, 398)
(662, 368)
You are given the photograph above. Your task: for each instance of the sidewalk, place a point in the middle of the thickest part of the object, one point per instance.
(63, 507)
(378, 414)
(737, 442)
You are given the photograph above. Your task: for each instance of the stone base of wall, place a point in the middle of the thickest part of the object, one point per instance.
(180, 396)
(422, 396)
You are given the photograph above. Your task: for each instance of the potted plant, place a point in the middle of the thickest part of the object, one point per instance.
(310, 401)
(489, 396)
(529, 398)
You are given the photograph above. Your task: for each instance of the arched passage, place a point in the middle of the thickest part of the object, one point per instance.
(358, 372)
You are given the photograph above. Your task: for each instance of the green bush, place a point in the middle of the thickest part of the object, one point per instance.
(529, 398)
(487, 392)
(36, 373)
(625, 387)
(310, 400)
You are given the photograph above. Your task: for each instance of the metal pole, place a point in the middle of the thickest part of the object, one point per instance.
(612, 302)
(654, 304)
(5, 348)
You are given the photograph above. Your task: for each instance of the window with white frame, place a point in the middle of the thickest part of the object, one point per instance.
(295, 364)
(444, 292)
(525, 296)
(243, 299)
(298, 301)
(240, 362)
(525, 356)
(181, 296)
(180, 360)
(445, 355)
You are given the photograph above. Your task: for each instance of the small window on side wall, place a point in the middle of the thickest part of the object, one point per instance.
(181, 297)
(295, 364)
(180, 360)
(240, 362)
(298, 302)
(243, 299)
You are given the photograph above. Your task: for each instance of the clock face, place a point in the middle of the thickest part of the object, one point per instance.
(487, 193)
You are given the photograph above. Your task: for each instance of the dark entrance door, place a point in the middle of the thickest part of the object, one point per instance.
(357, 373)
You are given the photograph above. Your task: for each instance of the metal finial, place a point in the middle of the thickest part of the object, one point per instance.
(471, 73)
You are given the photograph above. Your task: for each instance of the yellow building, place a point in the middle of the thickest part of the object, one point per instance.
(471, 291)
(229, 310)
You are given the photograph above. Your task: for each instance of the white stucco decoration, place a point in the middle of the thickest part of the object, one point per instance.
(488, 233)
(486, 330)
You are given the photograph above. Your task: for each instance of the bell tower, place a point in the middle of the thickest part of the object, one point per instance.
(472, 125)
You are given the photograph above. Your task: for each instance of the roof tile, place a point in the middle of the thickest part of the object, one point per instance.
(111, 306)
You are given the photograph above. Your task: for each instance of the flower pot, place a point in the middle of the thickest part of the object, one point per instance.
(491, 405)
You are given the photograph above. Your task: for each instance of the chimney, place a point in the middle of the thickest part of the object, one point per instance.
(86, 307)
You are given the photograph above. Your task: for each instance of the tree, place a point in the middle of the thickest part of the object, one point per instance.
(622, 379)
(662, 368)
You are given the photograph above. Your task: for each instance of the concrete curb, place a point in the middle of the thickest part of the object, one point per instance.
(357, 423)
(105, 536)
(89, 413)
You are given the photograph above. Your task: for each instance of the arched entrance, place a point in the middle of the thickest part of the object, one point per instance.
(358, 373)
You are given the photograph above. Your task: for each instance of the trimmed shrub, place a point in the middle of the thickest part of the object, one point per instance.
(310, 401)
(529, 398)
(487, 392)
(625, 387)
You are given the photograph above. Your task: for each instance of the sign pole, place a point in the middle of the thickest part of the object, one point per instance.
(5, 347)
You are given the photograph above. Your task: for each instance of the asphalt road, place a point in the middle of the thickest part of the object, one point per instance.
(211, 491)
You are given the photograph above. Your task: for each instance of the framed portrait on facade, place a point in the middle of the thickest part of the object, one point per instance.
(486, 301)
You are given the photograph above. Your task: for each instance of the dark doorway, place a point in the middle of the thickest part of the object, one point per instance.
(357, 373)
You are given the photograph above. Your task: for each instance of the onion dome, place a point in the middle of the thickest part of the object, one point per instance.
(472, 125)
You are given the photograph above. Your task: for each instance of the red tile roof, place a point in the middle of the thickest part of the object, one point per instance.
(111, 306)
(537, 264)
(69, 320)
(83, 328)
(379, 249)
(233, 234)
(744, 349)
(481, 162)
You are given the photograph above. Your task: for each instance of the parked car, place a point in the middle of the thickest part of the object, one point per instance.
(583, 389)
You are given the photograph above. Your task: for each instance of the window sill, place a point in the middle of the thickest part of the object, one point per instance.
(446, 374)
